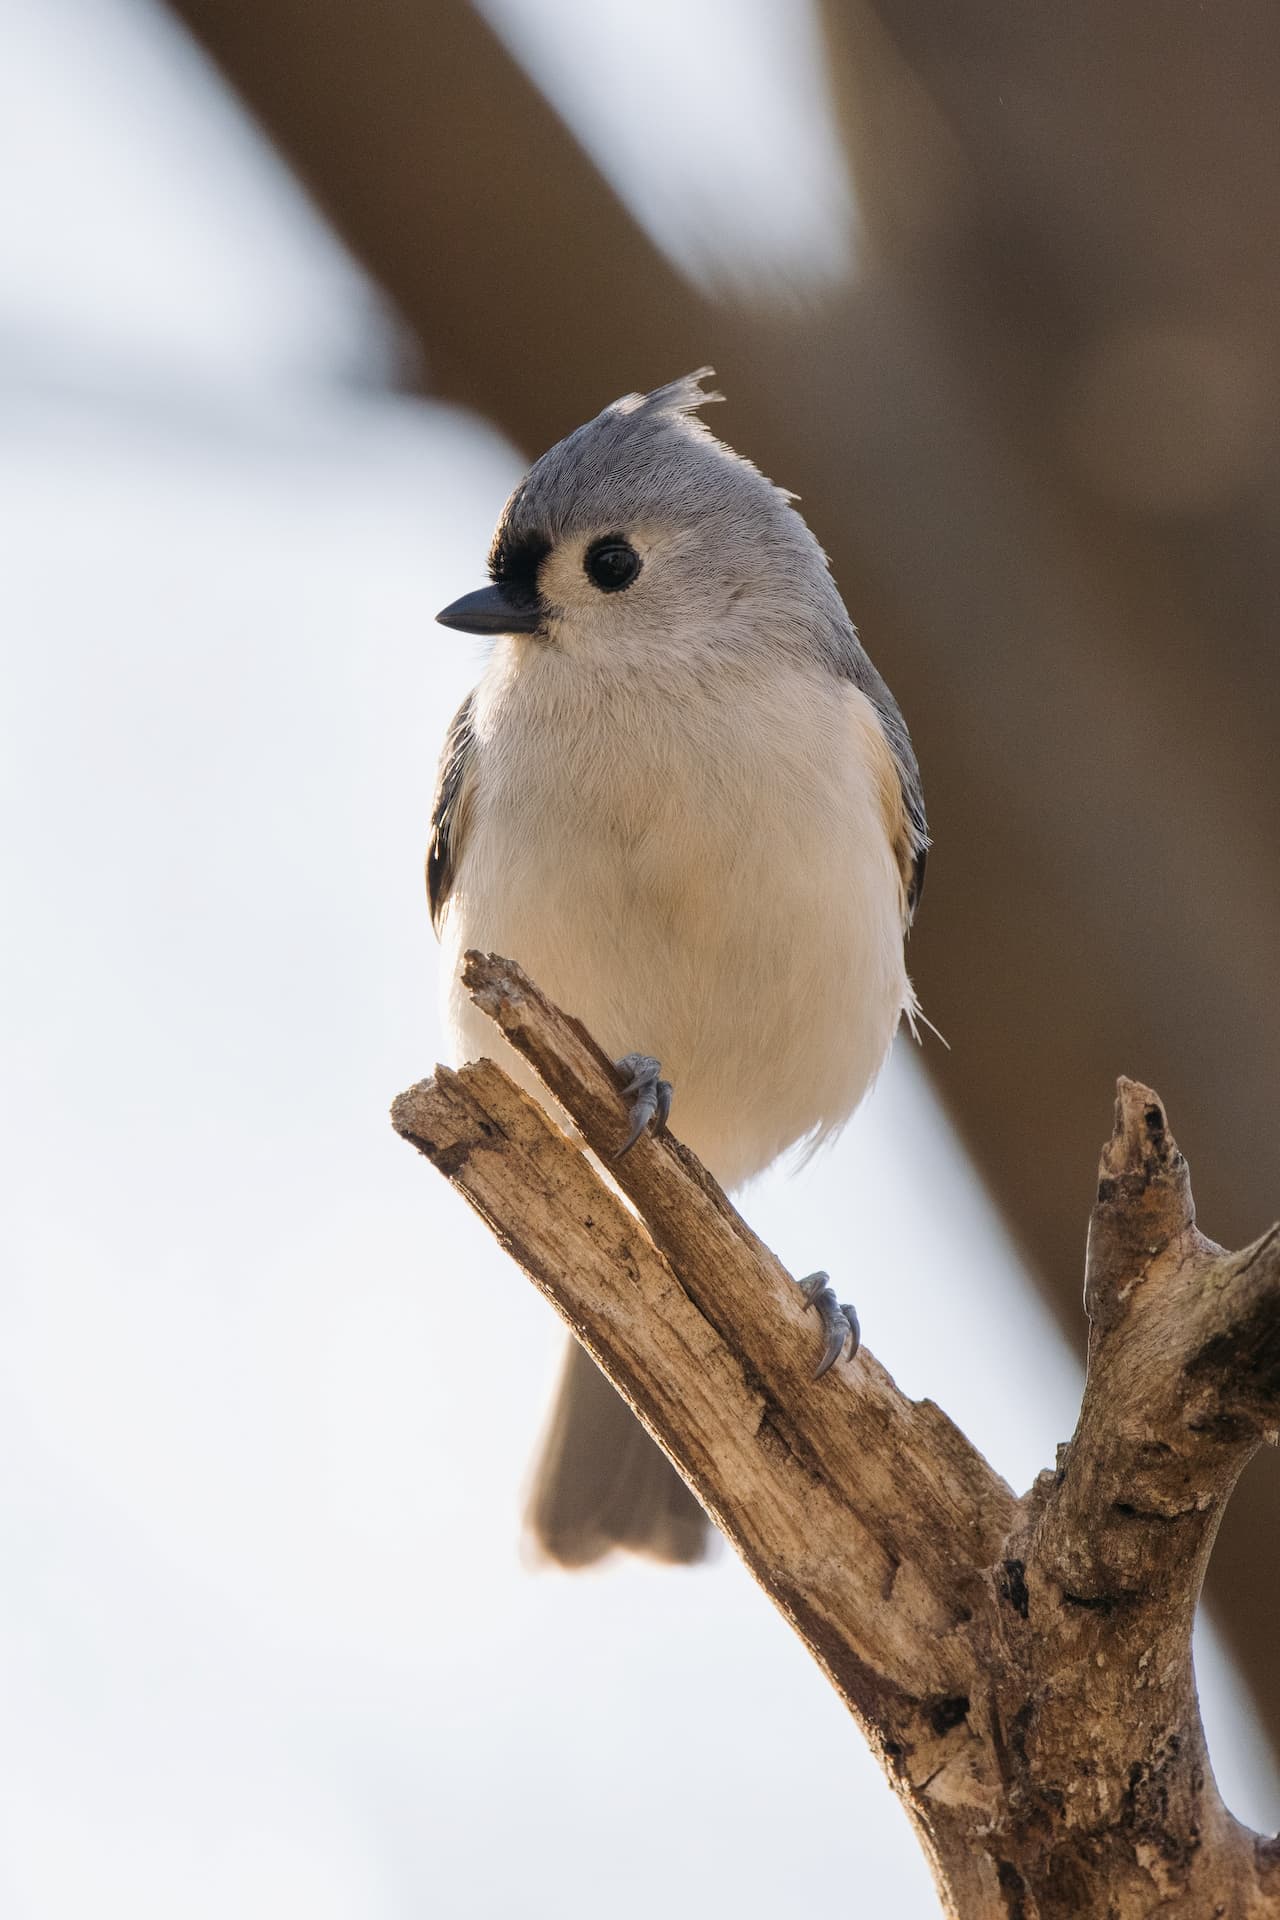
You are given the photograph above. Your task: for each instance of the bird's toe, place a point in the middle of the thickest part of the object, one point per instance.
(840, 1327)
(648, 1095)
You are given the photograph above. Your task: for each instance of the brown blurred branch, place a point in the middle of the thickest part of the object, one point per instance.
(1023, 1669)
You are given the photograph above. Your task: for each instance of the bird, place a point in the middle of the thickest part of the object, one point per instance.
(684, 800)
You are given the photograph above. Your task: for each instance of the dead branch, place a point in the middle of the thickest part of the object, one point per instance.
(1023, 1668)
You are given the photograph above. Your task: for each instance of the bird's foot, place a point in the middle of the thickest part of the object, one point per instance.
(839, 1320)
(647, 1092)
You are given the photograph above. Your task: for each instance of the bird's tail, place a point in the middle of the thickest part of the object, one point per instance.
(601, 1482)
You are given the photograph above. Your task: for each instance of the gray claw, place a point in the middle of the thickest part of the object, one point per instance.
(649, 1093)
(839, 1321)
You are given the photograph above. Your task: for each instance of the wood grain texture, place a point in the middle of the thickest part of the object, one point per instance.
(1021, 1667)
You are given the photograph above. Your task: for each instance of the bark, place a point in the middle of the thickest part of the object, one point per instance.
(1021, 1667)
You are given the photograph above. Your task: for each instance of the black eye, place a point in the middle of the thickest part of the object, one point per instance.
(612, 563)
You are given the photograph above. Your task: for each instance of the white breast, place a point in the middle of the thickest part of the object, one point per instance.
(699, 870)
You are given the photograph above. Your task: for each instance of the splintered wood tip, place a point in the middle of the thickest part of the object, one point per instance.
(1140, 1142)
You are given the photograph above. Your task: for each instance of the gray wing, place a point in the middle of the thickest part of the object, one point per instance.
(904, 758)
(448, 807)
(853, 662)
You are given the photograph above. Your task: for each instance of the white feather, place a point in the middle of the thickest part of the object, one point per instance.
(695, 862)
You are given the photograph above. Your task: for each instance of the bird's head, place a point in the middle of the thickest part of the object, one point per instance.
(642, 535)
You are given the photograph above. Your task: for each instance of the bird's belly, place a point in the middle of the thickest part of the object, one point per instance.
(762, 966)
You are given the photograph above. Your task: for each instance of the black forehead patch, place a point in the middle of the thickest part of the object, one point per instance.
(514, 559)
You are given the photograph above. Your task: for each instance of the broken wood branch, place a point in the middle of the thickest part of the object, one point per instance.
(1022, 1667)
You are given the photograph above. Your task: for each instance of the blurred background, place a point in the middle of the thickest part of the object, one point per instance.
(290, 294)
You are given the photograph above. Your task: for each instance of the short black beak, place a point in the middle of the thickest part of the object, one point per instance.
(495, 609)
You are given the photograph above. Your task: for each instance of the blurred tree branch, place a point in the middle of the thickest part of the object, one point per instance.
(1022, 1668)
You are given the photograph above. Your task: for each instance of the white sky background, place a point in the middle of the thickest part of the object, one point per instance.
(267, 1644)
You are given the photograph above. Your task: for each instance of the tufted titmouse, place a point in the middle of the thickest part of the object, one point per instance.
(684, 800)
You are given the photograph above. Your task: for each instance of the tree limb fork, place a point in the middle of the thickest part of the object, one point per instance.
(1021, 1667)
